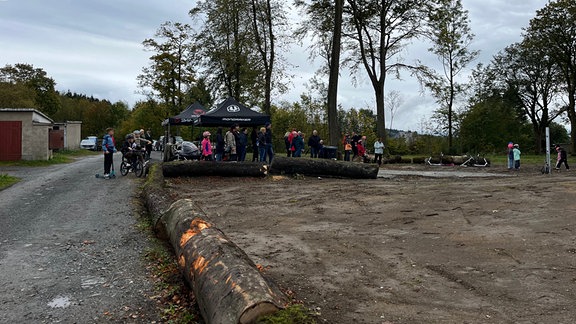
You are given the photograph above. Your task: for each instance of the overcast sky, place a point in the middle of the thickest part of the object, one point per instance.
(95, 47)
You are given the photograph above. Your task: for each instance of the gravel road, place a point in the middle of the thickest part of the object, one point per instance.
(69, 248)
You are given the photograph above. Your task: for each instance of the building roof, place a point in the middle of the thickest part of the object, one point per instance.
(37, 117)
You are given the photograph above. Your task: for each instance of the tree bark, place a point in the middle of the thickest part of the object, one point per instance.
(324, 168)
(333, 126)
(227, 284)
(206, 168)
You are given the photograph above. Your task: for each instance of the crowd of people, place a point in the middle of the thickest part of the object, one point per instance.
(233, 145)
(137, 142)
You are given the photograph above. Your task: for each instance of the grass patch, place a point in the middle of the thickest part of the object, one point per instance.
(64, 156)
(6, 181)
(295, 314)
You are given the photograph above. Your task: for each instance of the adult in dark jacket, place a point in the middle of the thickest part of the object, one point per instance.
(262, 144)
(314, 144)
(242, 144)
(254, 139)
(219, 144)
(298, 145)
(269, 149)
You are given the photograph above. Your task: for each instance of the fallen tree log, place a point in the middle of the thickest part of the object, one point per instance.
(324, 167)
(227, 284)
(206, 168)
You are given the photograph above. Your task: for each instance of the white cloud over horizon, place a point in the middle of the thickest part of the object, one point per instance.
(95, 48)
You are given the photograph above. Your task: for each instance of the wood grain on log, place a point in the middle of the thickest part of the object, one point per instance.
(206, 168)
(227, 284)
(324, 167)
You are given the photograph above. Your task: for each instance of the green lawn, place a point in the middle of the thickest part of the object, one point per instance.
(6, 181)
(64, 156)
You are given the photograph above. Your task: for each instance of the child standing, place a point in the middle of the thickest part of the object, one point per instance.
(516, 152)
(562, 158)
(510, 156)
(109, 148)
(206, 147)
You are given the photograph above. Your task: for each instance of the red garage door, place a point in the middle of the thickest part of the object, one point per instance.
(10, 140)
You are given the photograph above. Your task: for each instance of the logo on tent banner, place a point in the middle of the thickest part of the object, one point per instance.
(199, 112)
(233, 109)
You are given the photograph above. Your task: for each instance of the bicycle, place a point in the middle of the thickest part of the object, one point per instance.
(476, 161)
(137, 166)
(430, 161)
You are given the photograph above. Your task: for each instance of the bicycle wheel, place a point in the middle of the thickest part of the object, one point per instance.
(138, 169)
(123, 168)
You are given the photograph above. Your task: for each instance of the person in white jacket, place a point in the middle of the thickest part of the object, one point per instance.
(378, 151)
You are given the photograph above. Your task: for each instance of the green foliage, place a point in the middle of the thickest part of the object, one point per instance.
(145, 115)
(170, 74)
(451, 37)
(45, 96)
(16, 95)
(294, 314)
(6, 181)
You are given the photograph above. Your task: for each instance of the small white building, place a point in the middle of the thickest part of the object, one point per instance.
(24, 134)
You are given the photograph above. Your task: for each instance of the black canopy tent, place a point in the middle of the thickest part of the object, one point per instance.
(187, 117)
(232, 112)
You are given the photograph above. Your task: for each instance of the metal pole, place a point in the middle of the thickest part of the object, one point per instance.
(548, 150)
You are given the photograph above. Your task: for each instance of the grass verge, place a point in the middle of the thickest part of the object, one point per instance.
(64, 156)
(6, 181)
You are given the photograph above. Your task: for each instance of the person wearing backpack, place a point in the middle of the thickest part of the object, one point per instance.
(562, 158)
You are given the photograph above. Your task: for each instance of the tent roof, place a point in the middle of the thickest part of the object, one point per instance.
(232, 112)
(188, 116)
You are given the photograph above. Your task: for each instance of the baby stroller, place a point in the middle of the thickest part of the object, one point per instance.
(187, 151)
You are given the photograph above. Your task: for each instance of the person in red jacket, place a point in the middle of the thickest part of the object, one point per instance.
(361, 150)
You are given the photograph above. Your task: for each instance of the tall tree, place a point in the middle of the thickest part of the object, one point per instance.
(534, 79)
(553, 31)
(46, 98)
(238, 44)
(380, 31)
(451, 37)
(170, 74)
(323, 24)
(334, 64)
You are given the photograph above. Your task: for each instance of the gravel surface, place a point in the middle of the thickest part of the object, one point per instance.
(69, 248)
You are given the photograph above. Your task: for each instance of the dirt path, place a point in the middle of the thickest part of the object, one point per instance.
(69, 248)
(495, 248)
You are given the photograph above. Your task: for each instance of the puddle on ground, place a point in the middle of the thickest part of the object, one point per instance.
(60, 302)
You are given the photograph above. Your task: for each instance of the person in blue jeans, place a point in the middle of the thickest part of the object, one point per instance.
(269, 150)
(510, 156)
(262, 144)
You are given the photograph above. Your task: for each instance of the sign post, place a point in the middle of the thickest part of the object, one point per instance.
(548, 171)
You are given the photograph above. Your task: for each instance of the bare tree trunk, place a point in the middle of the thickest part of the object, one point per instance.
(333, 126)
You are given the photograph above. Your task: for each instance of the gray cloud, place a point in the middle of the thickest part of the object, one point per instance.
(94, 47)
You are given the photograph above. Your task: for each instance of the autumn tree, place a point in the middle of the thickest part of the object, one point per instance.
(553, 32)
(237, 44)
(46, 98)
(170, 74)
(451, 36)
(379, 31)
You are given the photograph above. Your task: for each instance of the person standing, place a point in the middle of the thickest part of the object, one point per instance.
(313, 143)
(206, 147)
(288, 143)
(269, 145)
(510, 156)
(347, 147)
(378, 151)
(262, 144)
(254, 138)
(148, 137)
(354, 142)
(562, 158)
(517, 154)
(109, 148)
(361, 151)
(230, 140)
(219, 144)
(242, 144)
(298, 145)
